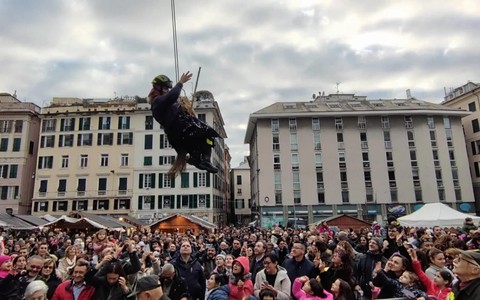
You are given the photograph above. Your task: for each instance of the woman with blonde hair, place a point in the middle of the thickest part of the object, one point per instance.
(67, 262)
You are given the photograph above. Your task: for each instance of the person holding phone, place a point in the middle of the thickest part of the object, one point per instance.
(273, 277)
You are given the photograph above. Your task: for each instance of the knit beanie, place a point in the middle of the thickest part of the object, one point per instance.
(378, 241)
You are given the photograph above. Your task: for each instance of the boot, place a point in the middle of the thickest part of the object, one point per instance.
(206, 165)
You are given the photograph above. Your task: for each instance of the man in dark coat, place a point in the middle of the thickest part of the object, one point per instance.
(191, 271)
(467, 269)
(186, 133)
(173, 284)
(366, 265)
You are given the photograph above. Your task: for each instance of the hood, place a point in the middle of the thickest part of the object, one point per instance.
(243, 260)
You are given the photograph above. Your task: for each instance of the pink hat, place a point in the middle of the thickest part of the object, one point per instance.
(4, 258)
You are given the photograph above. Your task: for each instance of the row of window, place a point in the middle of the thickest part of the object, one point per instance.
(371, 197)
(149, 180)
(7, 126)
(8, 171)
(17, 142)
(86, 139)
(174, 202)
(80, 205)
(362, 123)
(146, 181)
(9, 192)
(196, 201)
(85, 123)
(46, 162)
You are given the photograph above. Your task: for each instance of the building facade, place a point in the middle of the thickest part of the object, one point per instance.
(467, 97)
(112, 157)
(19, 123)
(343, 154)
(242, 203)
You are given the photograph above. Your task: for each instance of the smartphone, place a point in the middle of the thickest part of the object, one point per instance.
(245, 244)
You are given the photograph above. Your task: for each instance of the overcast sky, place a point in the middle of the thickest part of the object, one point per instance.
(252, 52)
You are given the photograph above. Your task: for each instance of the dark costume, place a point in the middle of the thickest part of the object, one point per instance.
(186, 133)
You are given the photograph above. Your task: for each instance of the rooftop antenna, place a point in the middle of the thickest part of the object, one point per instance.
(338, 84)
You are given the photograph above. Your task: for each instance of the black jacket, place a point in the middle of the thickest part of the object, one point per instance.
(365, 268)
(103, 290)
(52, 282)
(472, 291)
(178, 288)
(9, 287)
(192, 273)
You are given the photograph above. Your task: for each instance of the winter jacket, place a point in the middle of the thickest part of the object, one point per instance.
(220, 293)
(9, 287)
(165, 107)
(178, 287)
(65, 292)
(237, 293)
(103, 290)
(256, 266)
(399, 290)
(472, 291)
(298, 269)
(429, 285)
(365, 268)
(52, 282)
(192, 272)
(282, 284)
(301, 295)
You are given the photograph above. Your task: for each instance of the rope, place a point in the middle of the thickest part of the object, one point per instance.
(175, 47)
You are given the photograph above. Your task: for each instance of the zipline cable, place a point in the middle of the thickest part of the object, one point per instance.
(175, 47)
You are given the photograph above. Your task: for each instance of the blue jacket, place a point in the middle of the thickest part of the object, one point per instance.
(220, 293)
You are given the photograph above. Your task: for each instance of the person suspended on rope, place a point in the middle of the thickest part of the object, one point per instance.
(191, 138)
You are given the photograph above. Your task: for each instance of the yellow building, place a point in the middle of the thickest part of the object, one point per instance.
(19, 129)
(111, 157)
(467, 97)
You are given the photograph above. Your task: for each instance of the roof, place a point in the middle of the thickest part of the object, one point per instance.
(432, 214)
(133, 221)
(77, 222)
(12, 222)
(191, 218)
(34, 220)
(340, 216)
(339, 105)
(106, 221)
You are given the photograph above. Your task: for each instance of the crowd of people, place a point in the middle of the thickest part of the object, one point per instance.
(314, 263)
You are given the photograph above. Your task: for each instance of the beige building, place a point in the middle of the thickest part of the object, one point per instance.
(467, 97)
(344, 154)
(112, 157)
(242, 203)
(19, 130)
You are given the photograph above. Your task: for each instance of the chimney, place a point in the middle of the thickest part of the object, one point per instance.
(409, 94)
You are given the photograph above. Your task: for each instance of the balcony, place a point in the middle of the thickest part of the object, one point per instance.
(388, 144)
(364, 145)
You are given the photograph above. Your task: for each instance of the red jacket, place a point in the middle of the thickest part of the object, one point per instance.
(65, 292)
(429, 285)
(237, 293)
